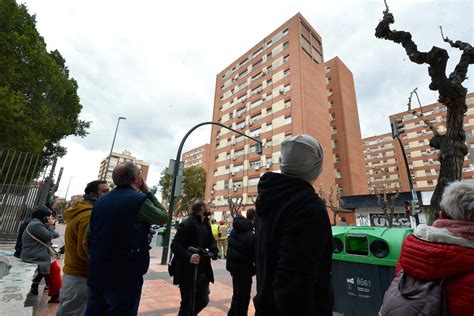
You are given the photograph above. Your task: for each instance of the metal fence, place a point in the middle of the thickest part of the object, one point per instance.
(25, 182)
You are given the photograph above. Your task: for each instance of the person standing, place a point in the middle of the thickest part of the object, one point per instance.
(215, 228)
(196, 232)
(36, 239)
(293, 235)
(118, 244)
(73, 295)
(222, 239)
(241, 262)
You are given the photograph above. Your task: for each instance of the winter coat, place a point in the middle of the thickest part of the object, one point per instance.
(241, 248)
(119, 249)
(294, 249)
(77, 217)
(33, 251)
(443, 252)
(187, 235)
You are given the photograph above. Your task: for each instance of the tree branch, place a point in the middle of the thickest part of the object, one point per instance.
(420, 115)
(437, 57)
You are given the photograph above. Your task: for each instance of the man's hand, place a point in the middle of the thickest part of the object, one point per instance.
(143, 187)
(195, 258)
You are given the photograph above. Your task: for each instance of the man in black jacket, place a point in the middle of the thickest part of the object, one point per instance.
(293, 236)
(195, 231)
(241, 262)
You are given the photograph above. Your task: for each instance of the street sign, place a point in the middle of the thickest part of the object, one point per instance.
(172, 166)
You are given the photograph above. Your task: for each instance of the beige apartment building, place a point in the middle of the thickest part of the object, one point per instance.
(118, 158)
(384, 162)
(279, 88)
(198, 156)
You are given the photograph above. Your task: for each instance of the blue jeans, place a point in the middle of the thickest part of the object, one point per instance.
(122, 301)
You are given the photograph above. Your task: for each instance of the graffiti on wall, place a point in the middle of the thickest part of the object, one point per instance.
(399, 220)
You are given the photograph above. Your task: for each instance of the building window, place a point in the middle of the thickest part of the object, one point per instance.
(286, 58)
(258, 52)
(257, 64)
(240, 124)
(256, 103)
(286, 44)
(286, 72)
(284, 32)
(287, 103)
(255, 165)
(256, 132)
(286, 88)
(238, 168)
(253, 181)
(239, 153)
(288, 120)
(269, 82)
(241, 111)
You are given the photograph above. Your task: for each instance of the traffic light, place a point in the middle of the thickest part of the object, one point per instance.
(259, 146)
(415, 207)
(398, 127)
(408, 206)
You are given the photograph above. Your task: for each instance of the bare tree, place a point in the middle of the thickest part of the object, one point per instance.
(335, 205)
(451, 145)
(388, 205)
(235, 205)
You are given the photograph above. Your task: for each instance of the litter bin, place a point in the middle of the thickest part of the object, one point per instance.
(159, 236)
(363, 266)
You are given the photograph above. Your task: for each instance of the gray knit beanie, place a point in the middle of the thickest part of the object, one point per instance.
(301, 157)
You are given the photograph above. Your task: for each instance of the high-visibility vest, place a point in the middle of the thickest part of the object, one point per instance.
(215, 229)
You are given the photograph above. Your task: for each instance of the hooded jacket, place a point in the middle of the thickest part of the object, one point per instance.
(241, 248)
(294, 249)
(77, 217)
(439, 252)
(33, 251)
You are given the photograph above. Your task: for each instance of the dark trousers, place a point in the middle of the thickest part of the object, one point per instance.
(202, 295)
(242, 285)
(122, 301)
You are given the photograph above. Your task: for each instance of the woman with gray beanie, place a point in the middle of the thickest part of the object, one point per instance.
(36, 237)
(293, 235)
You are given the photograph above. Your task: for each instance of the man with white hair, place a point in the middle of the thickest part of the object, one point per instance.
(293, 235)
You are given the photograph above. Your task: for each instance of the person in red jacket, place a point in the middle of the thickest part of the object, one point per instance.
(445, 251)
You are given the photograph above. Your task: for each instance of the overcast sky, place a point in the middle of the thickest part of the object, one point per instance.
(155, 62)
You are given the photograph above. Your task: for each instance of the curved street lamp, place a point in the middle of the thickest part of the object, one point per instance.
(166, 239)
(112, 147)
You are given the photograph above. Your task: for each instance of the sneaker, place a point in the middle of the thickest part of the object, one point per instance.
(54, 299)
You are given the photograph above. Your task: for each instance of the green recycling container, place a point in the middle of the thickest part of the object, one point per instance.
(363, 266)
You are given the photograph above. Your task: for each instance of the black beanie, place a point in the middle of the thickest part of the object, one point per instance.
(41, 212)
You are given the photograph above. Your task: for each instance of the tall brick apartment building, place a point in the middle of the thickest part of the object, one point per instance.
(198, 156)
(384, 161)
(279, 88)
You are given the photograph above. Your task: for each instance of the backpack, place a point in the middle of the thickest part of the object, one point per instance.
(407, 296)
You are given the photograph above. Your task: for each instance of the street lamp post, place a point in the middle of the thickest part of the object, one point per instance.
(166, 239)
(112, 147)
